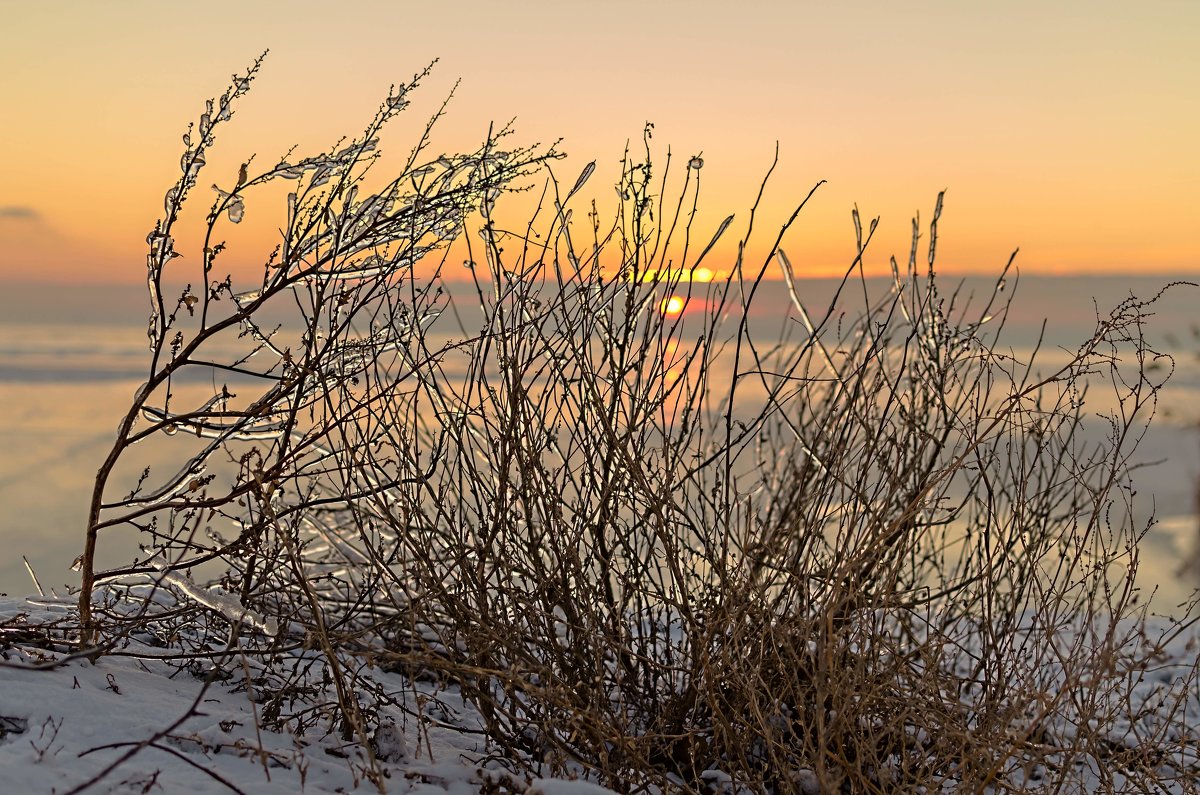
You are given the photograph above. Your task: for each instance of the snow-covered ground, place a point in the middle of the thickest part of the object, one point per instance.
(126, 725)
(129, 723)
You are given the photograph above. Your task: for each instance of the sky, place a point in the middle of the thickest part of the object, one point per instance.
(1066, 129)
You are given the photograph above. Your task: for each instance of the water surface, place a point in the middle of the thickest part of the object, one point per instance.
(71, 357)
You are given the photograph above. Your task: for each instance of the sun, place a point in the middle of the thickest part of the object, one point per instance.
(673, 305)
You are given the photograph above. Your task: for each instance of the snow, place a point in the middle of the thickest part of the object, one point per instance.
(545, 786)
(129, 723)
(124, 725)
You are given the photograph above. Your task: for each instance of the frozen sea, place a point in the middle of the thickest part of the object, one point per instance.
(71, 357)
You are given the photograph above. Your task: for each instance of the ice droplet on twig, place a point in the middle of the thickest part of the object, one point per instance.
(191, 162)
(236, 208)
(320, 177)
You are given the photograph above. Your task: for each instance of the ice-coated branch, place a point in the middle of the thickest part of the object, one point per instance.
(216, 598)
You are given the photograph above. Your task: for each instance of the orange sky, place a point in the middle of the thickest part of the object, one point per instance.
(1068, 129)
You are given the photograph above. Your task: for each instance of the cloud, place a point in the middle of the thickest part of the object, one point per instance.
(16, 211)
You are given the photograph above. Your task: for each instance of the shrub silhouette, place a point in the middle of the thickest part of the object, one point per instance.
(875, 553)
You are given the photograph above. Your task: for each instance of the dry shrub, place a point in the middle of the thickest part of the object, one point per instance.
(875, 553)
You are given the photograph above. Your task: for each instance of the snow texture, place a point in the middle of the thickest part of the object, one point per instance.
(127, 725)
(60, 728)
